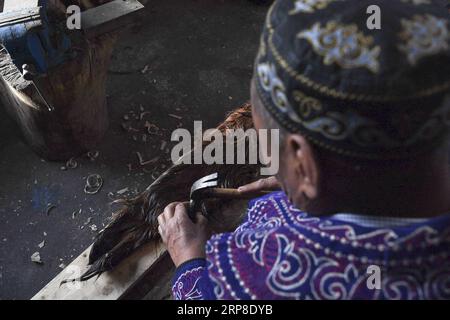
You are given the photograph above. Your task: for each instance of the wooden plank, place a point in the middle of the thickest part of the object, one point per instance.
(11, 5)
(110, 285)
(155, 285)
(111, 16)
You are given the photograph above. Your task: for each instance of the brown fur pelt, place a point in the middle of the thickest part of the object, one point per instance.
(135, 224)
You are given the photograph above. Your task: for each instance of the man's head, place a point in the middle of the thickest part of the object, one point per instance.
(360, 111)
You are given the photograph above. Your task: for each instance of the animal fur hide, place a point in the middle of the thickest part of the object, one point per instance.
(135, 224)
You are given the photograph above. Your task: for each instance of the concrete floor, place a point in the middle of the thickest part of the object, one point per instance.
(199, 57)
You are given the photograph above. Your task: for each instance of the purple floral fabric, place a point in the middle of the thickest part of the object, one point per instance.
(280, 252)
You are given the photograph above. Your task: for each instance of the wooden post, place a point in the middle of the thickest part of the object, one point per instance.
(77, 92)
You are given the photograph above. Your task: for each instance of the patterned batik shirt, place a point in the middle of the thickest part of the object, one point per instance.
(280, 252)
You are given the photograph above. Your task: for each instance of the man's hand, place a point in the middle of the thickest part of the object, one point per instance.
(267, 184)
(184, 239)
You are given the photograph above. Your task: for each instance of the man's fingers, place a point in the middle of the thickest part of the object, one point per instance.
(180, 211)
(270, 183)
(162, 234)
(161, 219)
(201, 219)
(182, 215)
(169, 211)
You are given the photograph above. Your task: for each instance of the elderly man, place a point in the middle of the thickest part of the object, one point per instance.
(364, 117)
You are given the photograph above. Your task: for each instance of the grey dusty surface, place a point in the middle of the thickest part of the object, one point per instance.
(186, 61)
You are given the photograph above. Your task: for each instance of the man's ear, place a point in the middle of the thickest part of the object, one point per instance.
(305, 165)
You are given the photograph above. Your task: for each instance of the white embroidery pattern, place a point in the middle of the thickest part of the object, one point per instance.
(310, 6)
(344, 45)
(423, 36)
(312, 267)
(193, 292)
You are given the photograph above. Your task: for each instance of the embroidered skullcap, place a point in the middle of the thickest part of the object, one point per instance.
(379, 93)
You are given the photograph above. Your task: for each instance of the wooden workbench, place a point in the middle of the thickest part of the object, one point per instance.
(145, 274)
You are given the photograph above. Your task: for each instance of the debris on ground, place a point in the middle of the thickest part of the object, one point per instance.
(155, 175)
(72, 163)
(94, 183)
(122, 191)
(76, 212)
(125, 127)
(49, 208)
(42, 244)
(128, 128)
(88, 221)
(93, 155)
(175, 116)
(146, 68)
(142, 162)
(163, 145)
(152, 129)
(94, 227)
(143, 114)
(36, 258)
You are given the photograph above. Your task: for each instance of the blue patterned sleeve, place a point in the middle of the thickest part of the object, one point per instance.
(191, 281)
